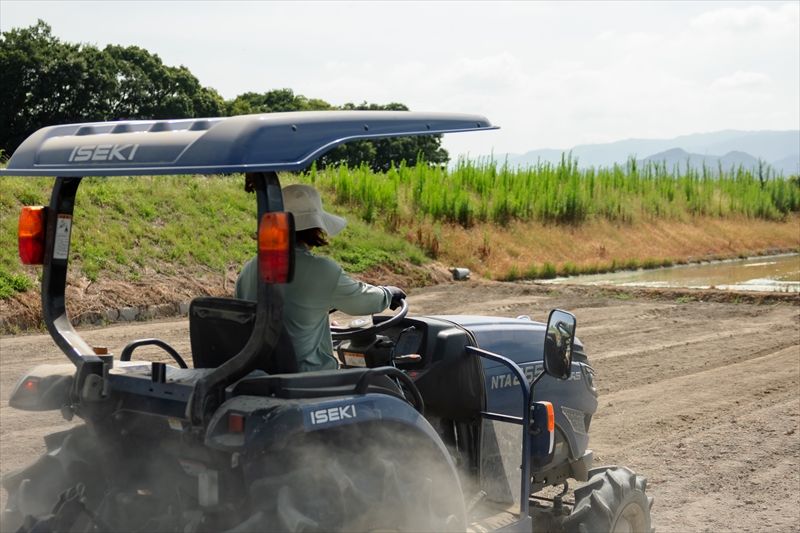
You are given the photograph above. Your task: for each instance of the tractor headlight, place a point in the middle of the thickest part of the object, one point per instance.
(588, 376)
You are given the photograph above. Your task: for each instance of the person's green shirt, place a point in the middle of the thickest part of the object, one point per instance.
(319, 284)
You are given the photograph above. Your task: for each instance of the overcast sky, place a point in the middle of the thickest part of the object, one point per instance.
(552, 75)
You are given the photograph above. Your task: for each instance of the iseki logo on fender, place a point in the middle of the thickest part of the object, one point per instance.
(333, 414)
(103, 152)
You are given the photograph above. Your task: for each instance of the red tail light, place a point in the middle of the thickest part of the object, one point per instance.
(236, 423)
(275, 254)
(31, 386)
(31, 234)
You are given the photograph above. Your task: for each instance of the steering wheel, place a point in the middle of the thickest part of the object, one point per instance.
(348, 333)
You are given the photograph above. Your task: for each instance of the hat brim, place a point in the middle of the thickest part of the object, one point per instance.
(329, 223)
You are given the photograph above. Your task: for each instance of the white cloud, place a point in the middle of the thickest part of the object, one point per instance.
(490, 73)
(643, 40)
(552, 74)
(741, 79)
(337, 65)
(606, 35)
(753, 18)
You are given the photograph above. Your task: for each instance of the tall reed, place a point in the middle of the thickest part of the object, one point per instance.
(484, 190)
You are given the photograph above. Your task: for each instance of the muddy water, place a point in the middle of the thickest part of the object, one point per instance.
(771, 273)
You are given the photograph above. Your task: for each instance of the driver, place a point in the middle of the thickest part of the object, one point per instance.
(319, 283)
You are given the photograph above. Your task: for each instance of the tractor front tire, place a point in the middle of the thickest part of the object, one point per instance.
(613, 500)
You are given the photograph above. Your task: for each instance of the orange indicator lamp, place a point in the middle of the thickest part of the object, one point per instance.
(275, 254)
(551, 419)
(31, 233)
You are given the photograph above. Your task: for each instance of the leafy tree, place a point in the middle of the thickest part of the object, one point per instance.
(146, 88)
(45, 82)
(383, 154)
(274, 101)
(379, 154)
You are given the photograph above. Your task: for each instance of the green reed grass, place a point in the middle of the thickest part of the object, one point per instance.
(132, 225)
(484, 191)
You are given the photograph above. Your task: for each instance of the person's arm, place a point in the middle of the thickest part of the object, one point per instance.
(358, 298)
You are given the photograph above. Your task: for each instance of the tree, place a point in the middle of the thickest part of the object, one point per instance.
(44, 81)
(379, 154)
(383, 154)
(274, 101)
(47, 82)
(145, 88)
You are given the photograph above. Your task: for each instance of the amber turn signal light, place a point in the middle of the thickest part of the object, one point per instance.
(31, 234)
(275, 254)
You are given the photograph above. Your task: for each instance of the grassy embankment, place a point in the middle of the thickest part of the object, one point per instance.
(499, 222)
(553, 220)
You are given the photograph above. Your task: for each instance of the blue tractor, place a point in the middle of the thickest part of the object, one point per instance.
(435, 423)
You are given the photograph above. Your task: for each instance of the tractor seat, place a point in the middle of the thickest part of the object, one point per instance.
(219, 328)
(318, 384)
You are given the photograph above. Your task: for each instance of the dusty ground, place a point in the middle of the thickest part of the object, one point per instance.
(701, 397)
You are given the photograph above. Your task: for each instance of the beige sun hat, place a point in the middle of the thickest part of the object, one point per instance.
(304, 202)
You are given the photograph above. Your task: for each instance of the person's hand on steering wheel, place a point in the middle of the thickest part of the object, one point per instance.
(396, 295)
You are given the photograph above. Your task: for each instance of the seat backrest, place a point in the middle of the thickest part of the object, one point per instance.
(454, 387)
(220, 327)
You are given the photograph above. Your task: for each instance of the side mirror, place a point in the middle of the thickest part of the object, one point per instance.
(558, 344)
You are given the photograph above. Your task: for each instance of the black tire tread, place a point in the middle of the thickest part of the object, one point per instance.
(600, 502)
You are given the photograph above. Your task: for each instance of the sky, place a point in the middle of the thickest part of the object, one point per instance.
(551, 75)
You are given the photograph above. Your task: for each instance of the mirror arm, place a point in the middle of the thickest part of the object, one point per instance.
(530, 394)
(536, 380)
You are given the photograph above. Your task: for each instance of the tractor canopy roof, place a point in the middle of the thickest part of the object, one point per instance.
(245, 143)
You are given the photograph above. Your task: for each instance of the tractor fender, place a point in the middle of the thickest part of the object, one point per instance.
(45, 388)
(263, 423)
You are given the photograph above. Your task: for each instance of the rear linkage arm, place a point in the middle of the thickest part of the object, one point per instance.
(71, 503)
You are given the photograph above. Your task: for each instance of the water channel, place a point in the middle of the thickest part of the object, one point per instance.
(780, 273)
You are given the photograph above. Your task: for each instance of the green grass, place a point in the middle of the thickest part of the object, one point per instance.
(563, 193)
(513, 273)
(11, 283)
(548, 271)
(127, 227)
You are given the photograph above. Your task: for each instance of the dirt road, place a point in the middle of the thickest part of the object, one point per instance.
(701, 398)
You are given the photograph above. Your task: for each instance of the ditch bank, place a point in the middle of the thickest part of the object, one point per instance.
(108, 302)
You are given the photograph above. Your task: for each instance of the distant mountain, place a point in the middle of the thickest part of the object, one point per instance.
(788, 165)
(767, 145)
(678, 156)
(500, 158)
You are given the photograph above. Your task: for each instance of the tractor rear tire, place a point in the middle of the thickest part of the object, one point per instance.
(34, 489)
(613, 500)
